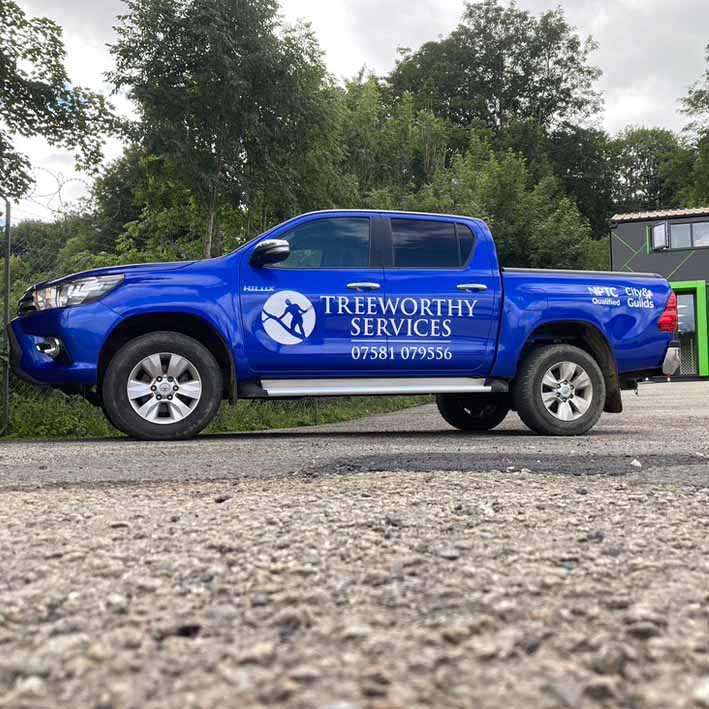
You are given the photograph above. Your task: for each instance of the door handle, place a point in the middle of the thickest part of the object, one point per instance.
(472, 287)
(363, 286)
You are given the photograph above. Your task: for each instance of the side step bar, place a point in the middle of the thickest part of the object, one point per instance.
(367, 387)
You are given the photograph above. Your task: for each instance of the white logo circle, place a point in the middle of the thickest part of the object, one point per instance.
(288, 317)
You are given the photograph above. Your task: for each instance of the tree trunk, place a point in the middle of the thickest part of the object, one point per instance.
(213, 206)
(218, 242)
(211, 223)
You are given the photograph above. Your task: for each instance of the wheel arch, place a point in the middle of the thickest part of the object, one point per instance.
(186, 324)
(590, 339)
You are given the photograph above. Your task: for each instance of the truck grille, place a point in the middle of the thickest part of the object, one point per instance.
(26, 304)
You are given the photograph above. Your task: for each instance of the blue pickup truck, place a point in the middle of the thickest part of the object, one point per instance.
(348, 303)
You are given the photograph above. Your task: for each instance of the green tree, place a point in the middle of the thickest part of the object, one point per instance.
(585, 161)
(304, 169)
(529, 139)
(391, 150)
(116, 195)
(696, 102)
(502, 63)
(653, 169)
(38, 99)
(697, 194)
(233, 103)
(696, 105)
(559, 236)
(38, 244)
(534, 223)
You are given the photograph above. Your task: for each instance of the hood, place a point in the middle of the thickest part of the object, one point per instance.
(128, 270)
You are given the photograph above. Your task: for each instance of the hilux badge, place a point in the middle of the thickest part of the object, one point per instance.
(288, 317)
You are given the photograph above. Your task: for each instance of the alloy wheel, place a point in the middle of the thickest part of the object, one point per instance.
(567, 391)
(164, 388)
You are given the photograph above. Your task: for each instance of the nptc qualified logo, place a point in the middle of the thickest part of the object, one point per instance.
(288, 317)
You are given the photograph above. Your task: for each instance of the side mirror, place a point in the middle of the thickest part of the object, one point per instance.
(270, 251)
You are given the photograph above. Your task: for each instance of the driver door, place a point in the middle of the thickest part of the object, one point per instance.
(299, 313)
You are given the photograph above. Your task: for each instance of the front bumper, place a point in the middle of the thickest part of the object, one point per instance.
(82, 330)
(15, 354)
(671, 364)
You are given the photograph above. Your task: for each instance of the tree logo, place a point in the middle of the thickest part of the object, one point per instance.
(288, 317)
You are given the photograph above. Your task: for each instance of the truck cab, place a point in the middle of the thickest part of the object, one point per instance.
(347, 303)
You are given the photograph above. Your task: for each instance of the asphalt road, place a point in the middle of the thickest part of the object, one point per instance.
(664, 430)
(377, 564)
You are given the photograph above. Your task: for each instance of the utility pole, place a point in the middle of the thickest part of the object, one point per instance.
(6, 371)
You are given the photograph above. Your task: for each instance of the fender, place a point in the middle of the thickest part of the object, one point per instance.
(189, 324)
(534, 327)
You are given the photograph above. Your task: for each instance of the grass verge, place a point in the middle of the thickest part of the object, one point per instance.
(45, 413)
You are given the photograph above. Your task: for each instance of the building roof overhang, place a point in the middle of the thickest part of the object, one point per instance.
(660, 214)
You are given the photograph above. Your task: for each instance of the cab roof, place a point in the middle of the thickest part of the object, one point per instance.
(401, 212)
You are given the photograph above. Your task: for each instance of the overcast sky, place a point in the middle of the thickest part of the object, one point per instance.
(650, 52)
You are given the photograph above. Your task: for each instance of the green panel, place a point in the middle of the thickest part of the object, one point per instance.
(700, 288)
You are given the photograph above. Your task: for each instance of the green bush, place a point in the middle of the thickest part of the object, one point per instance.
(45, 413)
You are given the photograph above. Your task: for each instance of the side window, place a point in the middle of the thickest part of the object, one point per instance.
(685, 235)
(659, 236)
(681, 236)
(430, 244)
(700, 232)
(328, 243)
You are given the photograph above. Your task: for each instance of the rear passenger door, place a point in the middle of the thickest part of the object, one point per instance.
(445, 294)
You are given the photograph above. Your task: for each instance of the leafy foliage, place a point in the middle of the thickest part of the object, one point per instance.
(501, 64)
(697, 192)
(696, 105)
(236, 107)
(652, 168)
(585, 161)
(696, 102)
(37, 98)
(533, 224)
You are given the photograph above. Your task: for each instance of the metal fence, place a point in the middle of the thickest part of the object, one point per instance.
(7, 283)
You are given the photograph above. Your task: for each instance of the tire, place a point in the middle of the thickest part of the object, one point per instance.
(108, 416)
(473, 412)
(170, 367)
(569, 410)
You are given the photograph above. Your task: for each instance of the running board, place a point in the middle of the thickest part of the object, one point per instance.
(367, 387)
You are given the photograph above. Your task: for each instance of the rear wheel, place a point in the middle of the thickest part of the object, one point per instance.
(560, 391)
(162, 386)
(473, 412)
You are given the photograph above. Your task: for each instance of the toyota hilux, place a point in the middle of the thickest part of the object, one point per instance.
(349, 303)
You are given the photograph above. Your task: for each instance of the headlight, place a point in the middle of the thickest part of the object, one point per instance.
(78, 292)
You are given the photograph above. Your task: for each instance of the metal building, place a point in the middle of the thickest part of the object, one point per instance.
(675, 244)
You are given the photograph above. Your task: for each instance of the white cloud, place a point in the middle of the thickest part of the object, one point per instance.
(650, 50)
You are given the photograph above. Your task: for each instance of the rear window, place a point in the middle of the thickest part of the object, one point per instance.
(419, 243)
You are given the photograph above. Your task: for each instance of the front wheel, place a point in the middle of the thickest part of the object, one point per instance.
(559, 391)
(162, 386)
(473, 412)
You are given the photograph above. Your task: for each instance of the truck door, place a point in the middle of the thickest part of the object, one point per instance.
(445, 294)
(298, 314)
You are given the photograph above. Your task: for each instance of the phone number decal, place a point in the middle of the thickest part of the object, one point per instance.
(414, 352)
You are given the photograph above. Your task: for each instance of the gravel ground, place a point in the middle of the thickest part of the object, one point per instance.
(383, 563)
